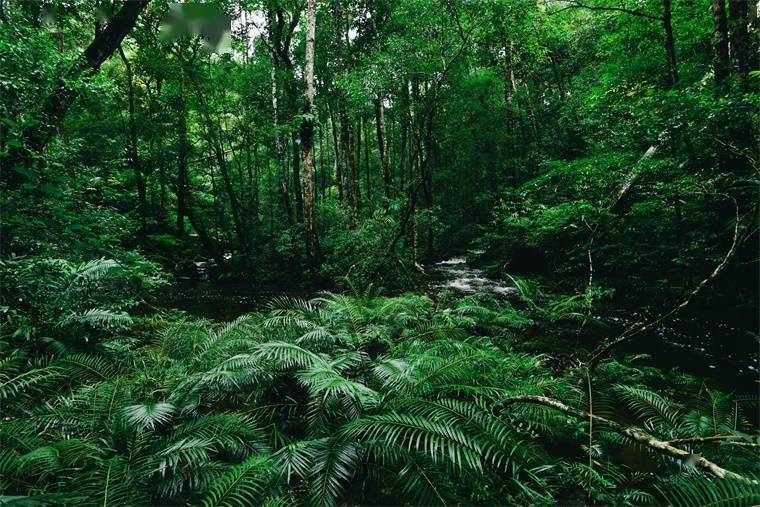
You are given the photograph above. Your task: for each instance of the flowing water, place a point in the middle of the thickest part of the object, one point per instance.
(457, 275)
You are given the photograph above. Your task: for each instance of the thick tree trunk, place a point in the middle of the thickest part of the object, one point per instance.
(58, 102)
(720, 43)
(307, 137)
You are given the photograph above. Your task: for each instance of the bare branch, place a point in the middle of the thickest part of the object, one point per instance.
(645, 439)
(639, 328)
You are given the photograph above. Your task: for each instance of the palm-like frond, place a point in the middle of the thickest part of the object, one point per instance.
(149, 415)
(243, 484)
(689, 490)
(99, 318)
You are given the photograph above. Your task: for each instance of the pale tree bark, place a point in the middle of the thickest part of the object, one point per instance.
(279, 149)
(307, 136)
(346, 157)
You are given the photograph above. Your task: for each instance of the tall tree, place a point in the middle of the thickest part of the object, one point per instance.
(738, 37)
(307, 135)
(721, 64)
(670, 45)
(134, 157)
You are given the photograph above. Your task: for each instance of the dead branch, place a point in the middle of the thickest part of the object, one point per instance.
(649, 441)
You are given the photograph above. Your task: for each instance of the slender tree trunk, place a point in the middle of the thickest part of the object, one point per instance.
(382, 147)
(183, 151)
(367, 176)
(345, 126)
(307, 136)
(427, 167)
(509, 89)
(670, 45)
(322, 165)
(738, 38)
(339, 178)
(133, 152)
(279, 149)
(347, 157)
(296, 174)
(356, 147)
(405, 125)
(720, 43)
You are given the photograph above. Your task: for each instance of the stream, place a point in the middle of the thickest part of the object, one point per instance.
(710, 349)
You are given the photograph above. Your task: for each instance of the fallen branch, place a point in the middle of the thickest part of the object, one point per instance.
(649, 441)
(639, 328)
(701, 440)
(633, 175)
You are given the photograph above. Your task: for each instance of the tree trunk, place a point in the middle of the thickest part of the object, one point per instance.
(278, 145)
(339, 178)
(296, 175)
(720, 43)
(345, 126)
(367, 176)
(133, 153)
(307, 136)
(509, 89)
(183, 151)
(738, 38)
(382, 147)
(670, 45)
(58, 102)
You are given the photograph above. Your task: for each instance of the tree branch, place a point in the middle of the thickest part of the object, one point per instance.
(632, 12)
(645, 439)
(639, 328)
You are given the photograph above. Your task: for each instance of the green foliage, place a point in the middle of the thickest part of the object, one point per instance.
(303, 403)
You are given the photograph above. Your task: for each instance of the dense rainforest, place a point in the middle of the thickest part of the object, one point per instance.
(379, 252)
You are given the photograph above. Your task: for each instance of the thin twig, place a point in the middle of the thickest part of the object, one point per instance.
(639, 328)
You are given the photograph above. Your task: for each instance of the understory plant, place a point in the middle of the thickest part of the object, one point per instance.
(351, 399)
